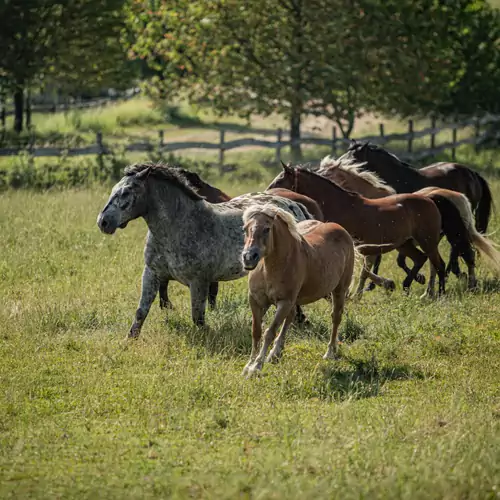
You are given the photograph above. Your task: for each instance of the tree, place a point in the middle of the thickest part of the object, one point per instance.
(335, 58)
(68, 41)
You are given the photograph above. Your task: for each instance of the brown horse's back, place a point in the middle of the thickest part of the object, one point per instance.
(329, 261)
(311, 205)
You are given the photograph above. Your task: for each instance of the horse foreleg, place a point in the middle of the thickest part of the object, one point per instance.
(378, 280)
(258, 312)
(150, 286)
(213, 291)
(300, 317)
(279, 343)
(409, 249)
(401, 261)
(199, 294)
(338, 301)
(283, 311)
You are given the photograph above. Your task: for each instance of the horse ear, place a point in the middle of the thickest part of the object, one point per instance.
(286, 167)
(144, 174)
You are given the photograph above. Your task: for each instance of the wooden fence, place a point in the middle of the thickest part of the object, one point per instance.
(475, 125)
(77, 104)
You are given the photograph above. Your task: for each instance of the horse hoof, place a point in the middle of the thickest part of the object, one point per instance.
(274, 357)
(166, 305)
(390, 286)
(331, 355)
(133, 334)
(420, 279)
(253, 371)
(370, 287)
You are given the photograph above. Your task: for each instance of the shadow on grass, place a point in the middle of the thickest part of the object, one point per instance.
(362, 379)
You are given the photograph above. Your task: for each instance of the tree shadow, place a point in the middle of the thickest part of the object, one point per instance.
(362, 379)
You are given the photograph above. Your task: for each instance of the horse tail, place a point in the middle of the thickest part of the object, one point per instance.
(485, 205)
(483, 244)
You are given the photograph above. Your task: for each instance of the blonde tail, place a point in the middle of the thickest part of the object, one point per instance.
(485, 246)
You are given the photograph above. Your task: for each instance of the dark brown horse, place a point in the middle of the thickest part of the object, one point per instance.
(395, 222)
(405, 179)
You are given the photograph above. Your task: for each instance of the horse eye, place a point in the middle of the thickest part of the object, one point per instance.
(266, 230)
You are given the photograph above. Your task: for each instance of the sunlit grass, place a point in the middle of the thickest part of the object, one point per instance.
(410, 410)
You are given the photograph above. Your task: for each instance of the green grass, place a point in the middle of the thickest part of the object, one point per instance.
(411, 410)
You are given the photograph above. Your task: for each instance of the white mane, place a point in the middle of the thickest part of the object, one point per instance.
(355, 168)
(272, 211)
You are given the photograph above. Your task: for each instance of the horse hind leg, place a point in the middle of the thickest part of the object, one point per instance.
(375, 267)
(437, 265)
(213, 291)
(338, 301)
(165, 302)
(199, 294)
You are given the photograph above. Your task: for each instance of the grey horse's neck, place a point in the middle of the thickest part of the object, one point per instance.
(170, 210)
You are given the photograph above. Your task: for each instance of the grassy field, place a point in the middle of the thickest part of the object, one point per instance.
(411, 410)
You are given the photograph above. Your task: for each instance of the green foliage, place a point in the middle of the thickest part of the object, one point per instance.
(331, 58)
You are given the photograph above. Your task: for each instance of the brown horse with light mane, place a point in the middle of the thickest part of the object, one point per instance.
(456, 214)
(393, 222)
(322, 257)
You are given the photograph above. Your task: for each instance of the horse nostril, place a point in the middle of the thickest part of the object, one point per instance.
(254, 256)
(104, 223)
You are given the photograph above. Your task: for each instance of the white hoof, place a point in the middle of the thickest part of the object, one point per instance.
(330, 355)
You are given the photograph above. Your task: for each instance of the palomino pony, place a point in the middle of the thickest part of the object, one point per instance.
(455, 209)
(189, 239)
(322, 257)
(381, 225)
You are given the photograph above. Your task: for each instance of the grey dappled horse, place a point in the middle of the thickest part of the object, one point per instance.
(189, 240)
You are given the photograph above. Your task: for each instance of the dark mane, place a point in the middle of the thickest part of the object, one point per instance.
(192, 177)
(168, 173)
(357, 146)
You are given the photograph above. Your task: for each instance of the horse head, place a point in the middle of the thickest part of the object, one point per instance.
(126, 202)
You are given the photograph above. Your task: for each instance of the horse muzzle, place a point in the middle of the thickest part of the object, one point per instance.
(105, 224)
(250, 259)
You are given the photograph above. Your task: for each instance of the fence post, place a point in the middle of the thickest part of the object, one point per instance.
(279, 133)
(477, 134)
(334, 141)
(382, 133)
(410, 136)
(160, 143)
(433, 135)
(221, 148)
(454, 141)
(100, 149)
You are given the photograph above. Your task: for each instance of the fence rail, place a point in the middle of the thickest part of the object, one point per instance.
(100, 148)
(67, 106)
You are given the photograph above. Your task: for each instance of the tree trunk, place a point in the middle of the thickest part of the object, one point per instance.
(3, 113)
(18, 109)
(346, 128)
(28, 109)
(295, 147)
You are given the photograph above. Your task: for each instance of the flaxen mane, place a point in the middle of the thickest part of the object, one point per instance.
(354, 167)
(272, 211)
(167, 173)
